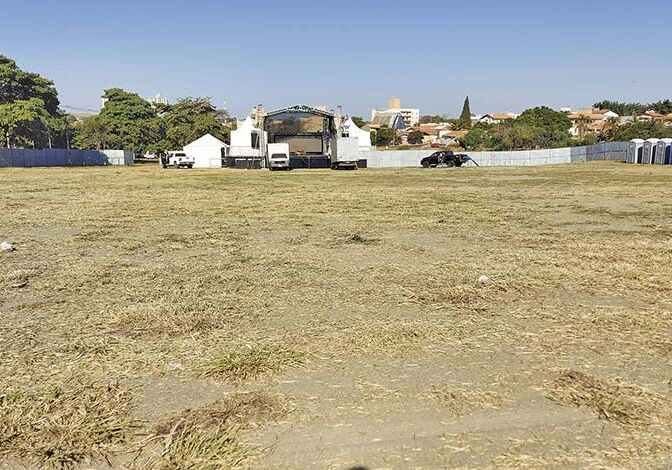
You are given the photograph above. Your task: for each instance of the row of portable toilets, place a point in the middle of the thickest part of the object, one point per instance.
(649, 151)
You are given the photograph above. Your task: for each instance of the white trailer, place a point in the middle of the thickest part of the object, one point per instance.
(344, 153)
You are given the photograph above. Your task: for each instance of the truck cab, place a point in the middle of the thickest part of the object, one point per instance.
(278, 156)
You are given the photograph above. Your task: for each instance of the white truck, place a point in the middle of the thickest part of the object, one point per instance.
(345, 153)
(177, 159)
(278, 156)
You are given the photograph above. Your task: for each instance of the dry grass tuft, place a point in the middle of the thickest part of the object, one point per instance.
(61, 426)
(361, 239)
(251, 362)
(14, 277)
(609, 399)
(461, 400)
(164, 317)
(208, 437)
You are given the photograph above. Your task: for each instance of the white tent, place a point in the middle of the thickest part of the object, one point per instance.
(246, 140)
(207, 151)
(363, 137)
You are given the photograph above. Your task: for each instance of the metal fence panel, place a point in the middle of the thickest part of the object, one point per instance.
(62, 157)
(5, 157)
(615, 151)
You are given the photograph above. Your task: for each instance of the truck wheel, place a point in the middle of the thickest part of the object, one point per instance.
(190, 166)
(450, 164)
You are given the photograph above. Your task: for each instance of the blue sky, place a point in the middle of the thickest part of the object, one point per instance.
(506, 55)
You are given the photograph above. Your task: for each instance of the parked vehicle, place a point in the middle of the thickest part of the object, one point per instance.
(345, 153)
(278, 156)
(176, 159)
(445, 159)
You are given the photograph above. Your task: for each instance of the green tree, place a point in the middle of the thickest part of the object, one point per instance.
(635, 109)
(542, 127)
(662, 107)
(641, 130)
(385, 136)
(622, 109)
(29, 113)
(415, 137)
(479, 138)
(91, 133)
(588, 139)
(429, 119)
(535, 128)
(359, 121)
(131, 122)
(464, 122)
(191, 118)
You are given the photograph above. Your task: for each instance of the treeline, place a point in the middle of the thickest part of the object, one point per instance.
(29, 109)
(30, 117)
(127, 121)
(634, 130)
(545, 128)
(635, 109)
(535, 128)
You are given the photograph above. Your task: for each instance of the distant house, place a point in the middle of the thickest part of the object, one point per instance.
(497, 118)
(435, 133)
(626, 120)
(593, 114)
(450, 137)
(591, 121)
(651, 116)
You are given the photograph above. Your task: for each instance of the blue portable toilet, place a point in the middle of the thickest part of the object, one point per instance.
(649, 151)
(662, 156)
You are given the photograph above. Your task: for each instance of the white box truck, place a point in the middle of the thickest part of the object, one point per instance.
(345, 153)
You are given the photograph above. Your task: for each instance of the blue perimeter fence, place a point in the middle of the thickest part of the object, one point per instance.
(52, 157)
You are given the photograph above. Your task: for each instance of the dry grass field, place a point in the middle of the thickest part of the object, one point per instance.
(194, 319)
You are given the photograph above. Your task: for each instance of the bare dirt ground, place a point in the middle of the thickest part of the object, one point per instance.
(316, 319)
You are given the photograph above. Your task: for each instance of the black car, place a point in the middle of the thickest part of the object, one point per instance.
(445, 158)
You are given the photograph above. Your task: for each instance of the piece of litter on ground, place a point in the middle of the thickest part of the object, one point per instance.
(6, 246)
(18, 285)
(483, 279)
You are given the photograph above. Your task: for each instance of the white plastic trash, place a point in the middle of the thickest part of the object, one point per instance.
(6, 246)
